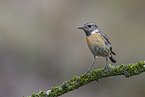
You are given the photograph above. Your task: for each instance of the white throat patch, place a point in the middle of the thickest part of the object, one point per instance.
(97, 30)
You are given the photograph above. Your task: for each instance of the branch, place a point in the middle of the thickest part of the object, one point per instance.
(78, 81)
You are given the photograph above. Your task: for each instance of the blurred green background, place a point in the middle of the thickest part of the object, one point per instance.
(40, 45)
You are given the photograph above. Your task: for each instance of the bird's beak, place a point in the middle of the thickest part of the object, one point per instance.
(80, 27)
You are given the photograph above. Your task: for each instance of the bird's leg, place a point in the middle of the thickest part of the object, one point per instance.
(91, 64)
(106, 65)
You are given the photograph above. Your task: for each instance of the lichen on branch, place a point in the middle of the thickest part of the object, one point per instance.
(78, 81)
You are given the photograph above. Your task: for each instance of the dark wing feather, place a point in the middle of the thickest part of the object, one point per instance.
(107, 42)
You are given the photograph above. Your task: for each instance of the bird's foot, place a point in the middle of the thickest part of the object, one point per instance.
(87, 71)
(107, 69)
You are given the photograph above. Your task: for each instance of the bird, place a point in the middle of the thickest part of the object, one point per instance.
(98, 43)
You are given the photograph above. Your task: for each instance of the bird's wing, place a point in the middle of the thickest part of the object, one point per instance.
(104, 36)
(107, 42)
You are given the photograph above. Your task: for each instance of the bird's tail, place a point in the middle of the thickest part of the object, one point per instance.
(112, 59)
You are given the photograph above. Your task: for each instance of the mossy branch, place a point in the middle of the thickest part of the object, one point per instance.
(78, 81)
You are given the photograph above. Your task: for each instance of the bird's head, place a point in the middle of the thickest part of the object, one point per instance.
(89, 28)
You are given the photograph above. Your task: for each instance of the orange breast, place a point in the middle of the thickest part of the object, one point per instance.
(97, 45)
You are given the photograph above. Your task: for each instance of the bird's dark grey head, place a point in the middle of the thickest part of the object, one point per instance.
(89, 28)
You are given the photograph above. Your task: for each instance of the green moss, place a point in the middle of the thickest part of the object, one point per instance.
(34, 95)
(78, 81)
(52, 93)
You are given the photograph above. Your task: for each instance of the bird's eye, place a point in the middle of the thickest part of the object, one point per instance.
(89, 26)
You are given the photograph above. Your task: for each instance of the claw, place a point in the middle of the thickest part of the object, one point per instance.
(106, 67)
